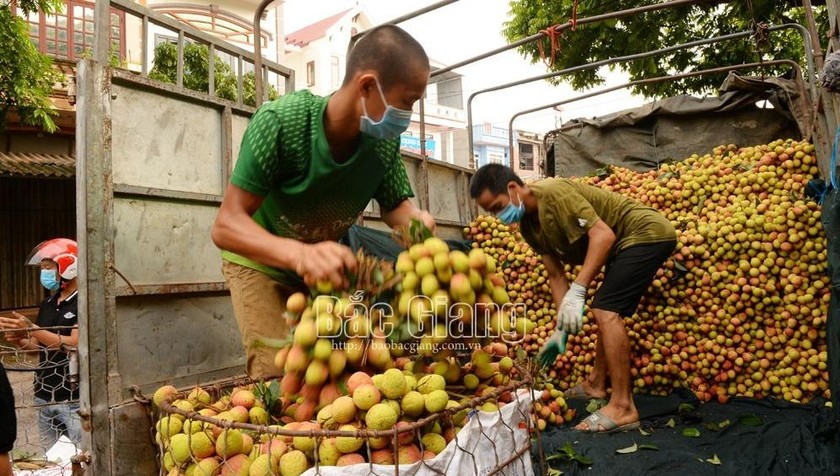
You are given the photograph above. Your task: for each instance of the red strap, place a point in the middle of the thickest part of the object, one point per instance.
(554, 37)
(554, 42)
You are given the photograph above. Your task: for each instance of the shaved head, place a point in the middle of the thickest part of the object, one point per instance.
(391, 52)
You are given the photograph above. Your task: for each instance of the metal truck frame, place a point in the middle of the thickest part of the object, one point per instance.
(152, 163)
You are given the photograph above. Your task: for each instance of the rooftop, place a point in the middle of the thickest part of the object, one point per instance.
(307, 34)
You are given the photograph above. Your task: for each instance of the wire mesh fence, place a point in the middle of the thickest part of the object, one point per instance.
(198, 431)
(45, 388)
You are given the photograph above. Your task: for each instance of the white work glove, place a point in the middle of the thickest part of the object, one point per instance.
(570, 317)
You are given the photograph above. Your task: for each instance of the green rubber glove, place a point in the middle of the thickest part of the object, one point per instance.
(555, 346)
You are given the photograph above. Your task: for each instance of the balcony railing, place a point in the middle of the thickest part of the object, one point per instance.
(136, 32)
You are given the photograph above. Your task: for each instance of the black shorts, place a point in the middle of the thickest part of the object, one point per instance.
(8, 420)
(628, 274)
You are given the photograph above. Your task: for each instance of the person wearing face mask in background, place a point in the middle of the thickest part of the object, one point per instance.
(580, 224)
(55, 335)
(307, 168)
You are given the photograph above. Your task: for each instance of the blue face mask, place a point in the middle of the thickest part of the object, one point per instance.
(393, 123)
(49, 279)
(512, 213)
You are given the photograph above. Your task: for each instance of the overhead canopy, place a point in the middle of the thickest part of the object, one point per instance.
(676, 127)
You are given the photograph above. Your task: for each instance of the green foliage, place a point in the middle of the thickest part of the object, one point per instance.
(269, 394)
(26, 76)
(196, 72)
(654, 30)
(46, 6)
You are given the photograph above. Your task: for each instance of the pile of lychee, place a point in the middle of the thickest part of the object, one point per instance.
(738, 310)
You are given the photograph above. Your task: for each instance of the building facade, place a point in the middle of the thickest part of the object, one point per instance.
(491, 145)
(318, 54)
(37, 169)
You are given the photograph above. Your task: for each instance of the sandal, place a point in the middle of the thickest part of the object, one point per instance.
(577, 392)
(600, 423)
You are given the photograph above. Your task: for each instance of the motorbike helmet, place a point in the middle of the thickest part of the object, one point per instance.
(64, 252)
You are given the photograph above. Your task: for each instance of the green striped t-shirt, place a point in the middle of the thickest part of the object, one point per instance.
(285, 157)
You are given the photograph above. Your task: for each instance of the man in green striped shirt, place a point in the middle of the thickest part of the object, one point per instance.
(307, 168)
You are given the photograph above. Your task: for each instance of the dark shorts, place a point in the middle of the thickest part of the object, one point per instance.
(8, 420)
(627, 276)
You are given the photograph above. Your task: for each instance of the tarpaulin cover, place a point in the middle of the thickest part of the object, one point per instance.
(382, 245)
(831, 225)
(676, 127)
(746, 437)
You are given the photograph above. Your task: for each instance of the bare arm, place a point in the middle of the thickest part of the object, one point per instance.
(18, 324)
(404, 212)
(601, 241)
(234, 230)
(556, 278)
(53, 340)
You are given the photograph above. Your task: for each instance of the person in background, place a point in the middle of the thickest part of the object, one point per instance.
(579, 224)
(55, 336)
(8, 430)
(307, 168)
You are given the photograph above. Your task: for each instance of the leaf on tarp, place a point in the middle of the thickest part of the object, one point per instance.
(671, 423)
(717, 426)
(649, 447)
(714, 460)
(691, 432)
(584, 460)
(567, 452)
(629, 449)
(684, 407)
(751, 419)
(643, 432)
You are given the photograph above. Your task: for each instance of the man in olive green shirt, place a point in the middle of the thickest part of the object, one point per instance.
(307, 168)
(575, 223)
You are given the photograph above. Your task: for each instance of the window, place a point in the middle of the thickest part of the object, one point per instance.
(526, 156)
(310, 73)
(335, 72)
(159, 38)
(69, 35)
(495, 158)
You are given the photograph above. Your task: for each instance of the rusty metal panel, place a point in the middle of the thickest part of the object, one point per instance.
(412, 168)
(131, 434)
(443, 192)
(187, 339)
(167, 144)
(165, 242)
